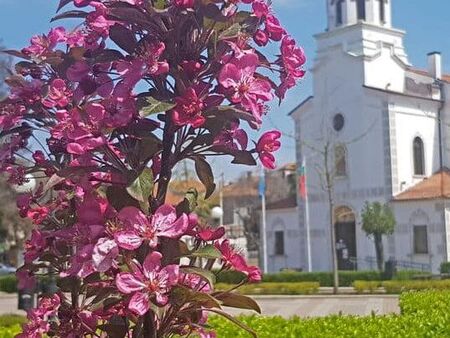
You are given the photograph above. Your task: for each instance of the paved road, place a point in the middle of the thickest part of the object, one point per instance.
(320, 306)
(288, 306)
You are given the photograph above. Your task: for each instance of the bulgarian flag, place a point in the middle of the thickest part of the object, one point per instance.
(302, 180)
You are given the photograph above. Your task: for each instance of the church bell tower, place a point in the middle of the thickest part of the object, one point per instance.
(343, 13)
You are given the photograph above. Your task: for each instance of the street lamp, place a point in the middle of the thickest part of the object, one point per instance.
(216, 215)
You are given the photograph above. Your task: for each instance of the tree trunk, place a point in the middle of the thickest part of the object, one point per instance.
(334, 258)
(378, 239)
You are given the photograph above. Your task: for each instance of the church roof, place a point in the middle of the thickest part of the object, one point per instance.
(445, 77)
(434, 187)
(286, 203)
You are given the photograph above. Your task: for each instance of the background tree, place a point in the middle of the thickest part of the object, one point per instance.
(378, 220)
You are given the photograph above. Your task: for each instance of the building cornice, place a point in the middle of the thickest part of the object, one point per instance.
(391, 92)
(363, 25)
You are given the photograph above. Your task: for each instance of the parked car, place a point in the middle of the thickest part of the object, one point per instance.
(6, 269)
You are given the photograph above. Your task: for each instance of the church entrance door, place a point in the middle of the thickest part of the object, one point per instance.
(345, 229)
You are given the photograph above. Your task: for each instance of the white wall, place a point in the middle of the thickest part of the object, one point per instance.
(285, 220)
(429, 213)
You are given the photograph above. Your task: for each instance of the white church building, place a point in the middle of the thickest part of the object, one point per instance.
(380, 129)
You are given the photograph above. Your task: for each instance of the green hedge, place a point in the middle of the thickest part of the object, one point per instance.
(10, 332)
(445, 267)
(303, 288)
(8, 284)
(424, 314)
(346, 278)
(415, 285)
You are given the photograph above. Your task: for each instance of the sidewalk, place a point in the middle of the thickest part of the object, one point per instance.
(288, 306)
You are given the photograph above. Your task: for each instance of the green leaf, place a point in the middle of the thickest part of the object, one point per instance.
(184, 295)
(231, 32)
(142, 186)
(123, 37)
(154, 106)
(159, 4)
(243, 157)
(235, 300)
(205, 175)
(208, 251)
(204, 274)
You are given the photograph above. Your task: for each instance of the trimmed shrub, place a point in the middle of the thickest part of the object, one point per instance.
(445, 267)
(11, 320)
(411, 274)
(10, 332)
(303, 288)
(415, 285)
(362, 286)
(8, 284)
(346, 278)
(424, 314)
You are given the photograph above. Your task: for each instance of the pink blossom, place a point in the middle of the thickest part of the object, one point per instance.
(260, 8)
(34, 246)
(104, 254)
(97, 21)
(183, 3)
(42, 44)
(261, 38)
(58, 95)
(149, 283)
(236, 261)
(38, 214)
(273, 28)
(291, 62)
(90, 79)
(139, 228)
(266, 146)
(232, 138)
(209, 234)
(238, 77)
(189, 109)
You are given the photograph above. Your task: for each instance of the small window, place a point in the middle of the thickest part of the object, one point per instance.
(420, 239)
(279, 243)
(340, 153)
(361, 9)
(419, 157)
(338, 122)
(382, 11)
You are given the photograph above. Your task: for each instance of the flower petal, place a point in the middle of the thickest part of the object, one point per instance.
(128, 240)
(128, 283)
(139, 303)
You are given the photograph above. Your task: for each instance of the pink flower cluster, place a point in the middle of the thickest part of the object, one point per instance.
(99, 116)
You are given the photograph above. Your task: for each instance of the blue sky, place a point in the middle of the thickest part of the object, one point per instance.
(426, 23)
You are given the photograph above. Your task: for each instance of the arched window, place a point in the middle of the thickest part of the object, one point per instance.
(361, 9)
(340, 157)
(383, 11)
(418, 157)
(339, 17)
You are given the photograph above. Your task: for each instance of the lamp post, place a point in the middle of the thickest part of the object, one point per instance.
(217, 215)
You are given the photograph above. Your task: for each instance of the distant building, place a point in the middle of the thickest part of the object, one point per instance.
(242, 204)
(283, 249)
(388, 125)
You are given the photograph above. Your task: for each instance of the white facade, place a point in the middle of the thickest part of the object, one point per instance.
(283, 231)
(362, 76)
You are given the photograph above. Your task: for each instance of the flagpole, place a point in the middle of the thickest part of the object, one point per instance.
(264, 224)
(307, 225)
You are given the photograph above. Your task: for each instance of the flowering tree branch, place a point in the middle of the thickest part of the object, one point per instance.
(100, 115)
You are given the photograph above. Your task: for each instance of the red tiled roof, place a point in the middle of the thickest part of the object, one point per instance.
(445, 77)
(434, 187)
(287, 203)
